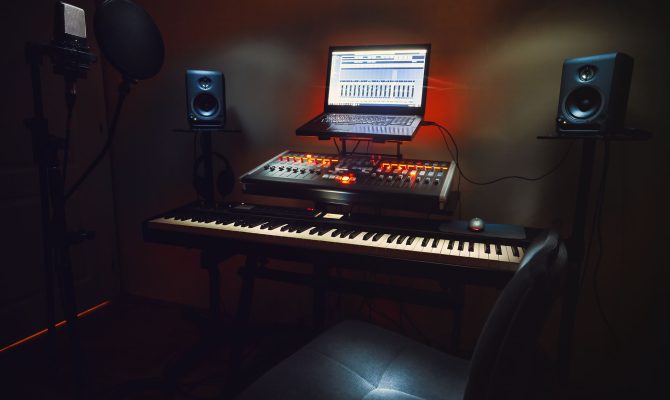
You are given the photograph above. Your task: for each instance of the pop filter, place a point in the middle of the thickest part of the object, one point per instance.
(129, 39)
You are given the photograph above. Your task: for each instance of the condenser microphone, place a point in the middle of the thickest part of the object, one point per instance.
(69, 48)
(70, 26)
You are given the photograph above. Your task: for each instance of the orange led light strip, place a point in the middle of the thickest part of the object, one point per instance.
(58, 325)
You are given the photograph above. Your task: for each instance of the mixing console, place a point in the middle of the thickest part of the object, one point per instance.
(353, 179)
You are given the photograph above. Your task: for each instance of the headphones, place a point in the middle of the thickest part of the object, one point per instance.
(225, 180)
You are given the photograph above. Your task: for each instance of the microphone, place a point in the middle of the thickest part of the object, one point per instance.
(70, 26)
(69, 48)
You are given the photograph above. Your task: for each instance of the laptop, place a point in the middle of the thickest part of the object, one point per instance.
(376, 92)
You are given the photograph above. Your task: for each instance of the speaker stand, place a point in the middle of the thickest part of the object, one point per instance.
(577, 241)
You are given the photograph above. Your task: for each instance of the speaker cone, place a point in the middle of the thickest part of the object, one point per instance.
(205, 104)
(583, 102)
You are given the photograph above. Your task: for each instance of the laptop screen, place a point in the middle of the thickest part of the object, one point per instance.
(378, 77)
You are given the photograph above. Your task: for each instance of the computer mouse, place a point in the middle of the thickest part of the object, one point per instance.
(476, 224)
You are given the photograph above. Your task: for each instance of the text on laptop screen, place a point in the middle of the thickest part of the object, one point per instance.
(377, 77)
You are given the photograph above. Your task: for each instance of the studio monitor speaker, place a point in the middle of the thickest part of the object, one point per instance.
(205, 99)
(594, 94)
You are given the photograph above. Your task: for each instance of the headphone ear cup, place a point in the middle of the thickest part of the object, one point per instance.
(225, 181)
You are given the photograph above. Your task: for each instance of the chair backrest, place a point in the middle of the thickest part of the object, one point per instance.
(501, 364)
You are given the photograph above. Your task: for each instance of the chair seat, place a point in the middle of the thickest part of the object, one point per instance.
(358, 360)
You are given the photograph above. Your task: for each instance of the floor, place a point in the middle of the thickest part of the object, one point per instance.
(131, 350)
(126, 347)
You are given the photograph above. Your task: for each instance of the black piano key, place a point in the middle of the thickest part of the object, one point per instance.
(391, 238)
(410, 240)
(487, 248)
(377, 236)
(401, 238)
(254, 224)
(303, 228)
(450, 246)
(424, 242)
(344, 233)
(285, 227)
(322, 231)
(354, 234)
(368, 235)
(460, 246)
(471, 247)
(336, 232)
(276, 225)
(314, 230)
(265, 225)
(515, 251)
(435, 242)
(498, 250)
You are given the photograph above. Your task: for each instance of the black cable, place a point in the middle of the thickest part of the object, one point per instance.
(596, 269)
(70, 99)
(443, 129)
(195, 147)
(444, 138)
(589, 246)
(124, 89)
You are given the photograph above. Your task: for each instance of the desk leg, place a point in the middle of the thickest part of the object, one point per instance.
(211, 263)
(458, 296)
(320, 277)
(456, 293)
(209, 328)
(248, 274)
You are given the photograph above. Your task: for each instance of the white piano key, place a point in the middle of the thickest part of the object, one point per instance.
(454, 250)
(436, 250)
(504, 257)
(464, 252)
(492, 253)
(445, 247)
(479, 247)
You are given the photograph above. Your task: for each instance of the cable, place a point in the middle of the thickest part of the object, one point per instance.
(444, 130)
(70, 99)
(594, 225)
(596, 269)
(124, 89)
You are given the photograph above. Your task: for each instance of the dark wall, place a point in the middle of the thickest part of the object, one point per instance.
(494, 82)
(22, 277)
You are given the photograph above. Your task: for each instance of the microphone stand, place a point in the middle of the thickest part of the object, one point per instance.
(56, 239)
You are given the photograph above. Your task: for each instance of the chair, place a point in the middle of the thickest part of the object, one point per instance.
(357, 360)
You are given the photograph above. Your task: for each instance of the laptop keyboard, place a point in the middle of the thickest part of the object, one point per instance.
(368, 119)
